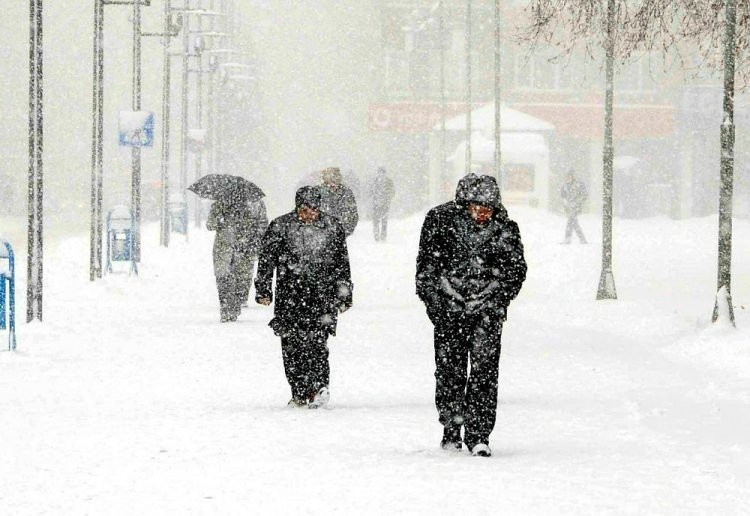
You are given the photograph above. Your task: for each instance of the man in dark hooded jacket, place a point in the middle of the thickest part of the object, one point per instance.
(469, 267)
(307, 250)
(337, 200)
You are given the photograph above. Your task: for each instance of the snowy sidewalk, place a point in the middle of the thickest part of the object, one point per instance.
(132, 398)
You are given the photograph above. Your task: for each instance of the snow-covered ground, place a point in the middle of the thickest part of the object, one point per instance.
(131, 397)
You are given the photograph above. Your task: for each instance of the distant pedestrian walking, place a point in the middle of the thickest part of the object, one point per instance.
(337, 200)
(307, 251)
(469, 267)
(573, 194)
(381, 194)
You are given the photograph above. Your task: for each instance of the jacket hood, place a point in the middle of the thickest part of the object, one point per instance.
(308, 196)
(464, 187)
(473, 189)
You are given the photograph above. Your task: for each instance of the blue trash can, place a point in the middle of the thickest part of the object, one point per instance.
(120, 232)
(178, 214)
(8, 292)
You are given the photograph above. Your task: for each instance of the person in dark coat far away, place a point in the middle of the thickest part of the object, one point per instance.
(337, 200)
(381, 193)
(573, 194)
(307, 250)
(239, 226)
(470, 266)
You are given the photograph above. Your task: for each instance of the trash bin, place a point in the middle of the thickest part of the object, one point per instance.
(7, 292)
(178, 215)
(120, 232)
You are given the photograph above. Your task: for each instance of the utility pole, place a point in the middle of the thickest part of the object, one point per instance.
(199, 46)
(498, 85)
(441, 36)
(135, 193)
(165, 133)
(97, 147)
(468, 87)
(184, 103)
(35, 232)
(607, 280)
(726, 187)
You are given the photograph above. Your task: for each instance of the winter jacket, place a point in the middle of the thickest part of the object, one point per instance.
(313, 279)
(468, 268)
(340, 203)
(382, 192)
(239, 229)
(573, 194)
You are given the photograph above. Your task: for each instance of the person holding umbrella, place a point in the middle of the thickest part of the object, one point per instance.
(238, 215)
(307, 250)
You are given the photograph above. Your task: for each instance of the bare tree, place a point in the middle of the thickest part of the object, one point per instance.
(595, 24)
(703, 28)
(683, 28)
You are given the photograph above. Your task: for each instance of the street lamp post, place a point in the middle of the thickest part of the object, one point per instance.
(443, 153)
(184, 103)
(35, 268)
(468, 87)
(135, 191)
(97, 141)
(171, 28)
(498, 86)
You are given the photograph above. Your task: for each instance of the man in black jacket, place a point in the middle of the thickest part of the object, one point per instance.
(307, 250)
(469, 267)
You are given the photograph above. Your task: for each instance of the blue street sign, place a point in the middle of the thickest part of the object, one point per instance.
(136, 129)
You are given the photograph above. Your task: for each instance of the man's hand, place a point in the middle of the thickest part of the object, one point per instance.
(263, 301)
(343, 307)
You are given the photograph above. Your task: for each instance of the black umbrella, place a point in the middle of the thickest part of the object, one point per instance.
(226, 188)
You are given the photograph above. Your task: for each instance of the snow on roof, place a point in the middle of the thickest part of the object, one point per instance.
(511, 120)
(516, 147)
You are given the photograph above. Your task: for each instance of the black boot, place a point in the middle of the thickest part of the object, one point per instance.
(451, 438)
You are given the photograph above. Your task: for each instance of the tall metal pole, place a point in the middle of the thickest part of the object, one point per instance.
(35, 269)
(135, 193)
(468, 87)
(498, 86)
(165, 133)
(443, 154)
(724, 281)
(100, 144)
(211, 140)
(98, 8)
(606, 288)
(199, 117)
(184, 103)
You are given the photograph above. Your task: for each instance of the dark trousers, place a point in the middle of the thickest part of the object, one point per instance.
(234, 285)
(573, 225)
(461, 397)
(230, 293)
(380, 225)
(306, 363)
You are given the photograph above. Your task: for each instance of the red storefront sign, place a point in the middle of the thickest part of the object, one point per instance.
(411, 117)
(587, 120)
